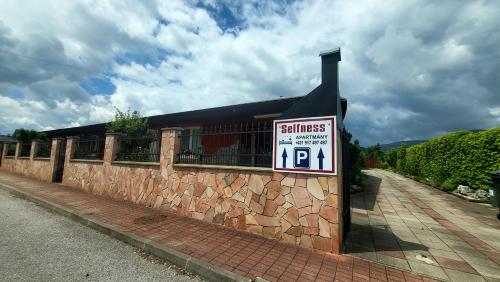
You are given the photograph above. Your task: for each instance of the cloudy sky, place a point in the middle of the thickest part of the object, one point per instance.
(410, 69)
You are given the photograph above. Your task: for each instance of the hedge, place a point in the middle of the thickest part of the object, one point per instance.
(462, 157)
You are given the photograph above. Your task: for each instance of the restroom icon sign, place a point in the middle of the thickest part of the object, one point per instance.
(301, 157)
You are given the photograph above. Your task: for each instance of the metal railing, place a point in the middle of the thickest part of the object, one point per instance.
(144, 148)
(89, 148)
(25, 150)
(11, 150)
(43, 149)
(242, 144)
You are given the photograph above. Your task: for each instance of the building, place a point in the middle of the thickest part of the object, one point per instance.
(213, 165)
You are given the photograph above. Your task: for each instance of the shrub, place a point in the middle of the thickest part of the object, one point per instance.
(449, 185)
(462, 157)
(128, 123)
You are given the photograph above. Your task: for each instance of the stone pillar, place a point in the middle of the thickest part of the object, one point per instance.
(68, 155)
(111, 147)
(18, 148)
(169, 149)
(54, 152)
(70, 147)
(4, 150)
(33, 150)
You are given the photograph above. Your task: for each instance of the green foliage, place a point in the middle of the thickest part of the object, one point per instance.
(26, 135)
(129, 123)
(355, 162)
(452, 183)
(373, 152)
(462, 157)
(142, 154)
(396, 158)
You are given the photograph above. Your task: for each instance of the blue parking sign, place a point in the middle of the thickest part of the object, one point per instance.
(301, 157)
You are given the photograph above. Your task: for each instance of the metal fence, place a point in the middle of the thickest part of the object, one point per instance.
(43, 149)
(242, 144)
(25, 150)
(144, 148)
(91, 148)
(11, 150)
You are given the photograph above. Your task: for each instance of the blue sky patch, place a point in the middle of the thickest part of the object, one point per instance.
(98, 86)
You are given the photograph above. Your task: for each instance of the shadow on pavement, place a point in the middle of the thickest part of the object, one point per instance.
(365, 238)
(369, 193)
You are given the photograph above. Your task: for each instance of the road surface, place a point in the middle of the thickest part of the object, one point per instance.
(38, 245)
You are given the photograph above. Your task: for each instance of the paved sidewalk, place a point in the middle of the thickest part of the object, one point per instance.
(409, 225)
(239, 252)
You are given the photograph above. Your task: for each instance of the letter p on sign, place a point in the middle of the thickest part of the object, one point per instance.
(301, 157)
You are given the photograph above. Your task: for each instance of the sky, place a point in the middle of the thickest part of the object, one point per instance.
(409, 69)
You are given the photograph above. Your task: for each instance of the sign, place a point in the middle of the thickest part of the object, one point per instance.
(305, 145)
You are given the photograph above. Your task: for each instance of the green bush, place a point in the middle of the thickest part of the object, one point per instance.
(448, 185)
(462, 157)
(129, 123)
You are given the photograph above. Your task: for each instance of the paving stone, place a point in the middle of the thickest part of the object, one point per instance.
(427, 269)
(392, 261)
(488, 271)
(445, 254)
(455, 264)
(478, 261)
(459, 276)
(420, 256)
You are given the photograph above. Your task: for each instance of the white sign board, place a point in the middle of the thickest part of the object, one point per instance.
(305, 145)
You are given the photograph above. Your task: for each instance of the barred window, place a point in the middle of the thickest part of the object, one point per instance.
(144, 148)
(11, 150)
(43, 149)
(25, 150)
(242, 144)
(89, 148)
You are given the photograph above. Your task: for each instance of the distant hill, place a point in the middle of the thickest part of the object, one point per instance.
(386, 147)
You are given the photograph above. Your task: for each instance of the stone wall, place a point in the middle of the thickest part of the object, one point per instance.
(294, 208)
(38, 168)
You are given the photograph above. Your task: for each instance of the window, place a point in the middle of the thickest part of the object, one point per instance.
(238, 144)
(190, 139)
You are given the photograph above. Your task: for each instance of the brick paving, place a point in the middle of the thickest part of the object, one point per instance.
(240, 252)
(411, 226)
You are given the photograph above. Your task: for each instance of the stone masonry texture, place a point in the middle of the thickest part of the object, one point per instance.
(41, 169)
(292, 208)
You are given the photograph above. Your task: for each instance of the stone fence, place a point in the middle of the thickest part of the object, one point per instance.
(293, 208)
(35, 167)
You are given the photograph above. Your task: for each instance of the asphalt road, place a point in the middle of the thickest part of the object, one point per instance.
(38, 245)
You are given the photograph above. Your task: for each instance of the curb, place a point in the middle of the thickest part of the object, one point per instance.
(191, 264)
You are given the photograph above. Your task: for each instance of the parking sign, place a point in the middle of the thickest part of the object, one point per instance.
(305, 145)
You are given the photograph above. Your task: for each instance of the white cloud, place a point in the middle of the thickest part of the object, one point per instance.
(409, 69)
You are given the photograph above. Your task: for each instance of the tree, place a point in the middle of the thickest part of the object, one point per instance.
(130, 123)
(355, 161)
(26, 135)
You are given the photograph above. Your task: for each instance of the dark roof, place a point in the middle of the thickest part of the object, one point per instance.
(6, 139)
(240, 112)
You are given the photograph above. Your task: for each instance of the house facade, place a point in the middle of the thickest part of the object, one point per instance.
(213, 165)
